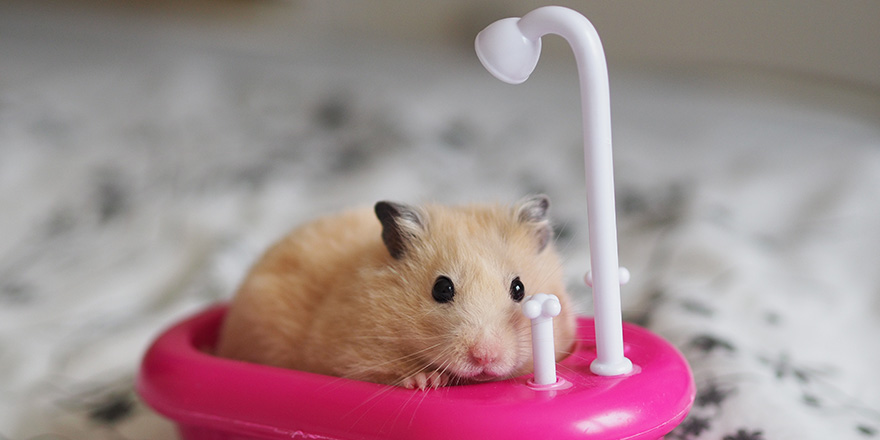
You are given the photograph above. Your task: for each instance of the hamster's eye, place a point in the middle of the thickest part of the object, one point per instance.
(443, 290)
(517, 290)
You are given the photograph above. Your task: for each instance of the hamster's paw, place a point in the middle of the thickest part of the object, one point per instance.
(423, 380)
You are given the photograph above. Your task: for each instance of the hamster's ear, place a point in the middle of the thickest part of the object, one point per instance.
(401, 224)
(532, 210)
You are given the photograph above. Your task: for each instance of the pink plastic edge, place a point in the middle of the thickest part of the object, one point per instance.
(212, 398)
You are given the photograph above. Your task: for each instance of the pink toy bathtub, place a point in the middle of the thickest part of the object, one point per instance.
(212, 398)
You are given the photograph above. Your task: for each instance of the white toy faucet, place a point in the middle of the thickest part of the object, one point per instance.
(541, 309)
(509, 49)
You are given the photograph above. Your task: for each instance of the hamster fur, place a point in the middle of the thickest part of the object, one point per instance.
(353, 295)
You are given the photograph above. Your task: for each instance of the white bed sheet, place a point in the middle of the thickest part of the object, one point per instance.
(138, 182)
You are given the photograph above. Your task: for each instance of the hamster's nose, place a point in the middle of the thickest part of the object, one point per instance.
(484, 353)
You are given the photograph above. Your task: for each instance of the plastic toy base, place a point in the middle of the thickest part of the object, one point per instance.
(212, 398)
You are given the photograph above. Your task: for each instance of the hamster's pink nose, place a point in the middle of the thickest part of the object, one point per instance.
(483, 353)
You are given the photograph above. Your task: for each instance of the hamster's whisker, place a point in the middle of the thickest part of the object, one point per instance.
(441, 355)
(403, 406)
(440, 370)
(416, 354)
(382, 391)
(395, 338)
(564, 246)
(566, 368)
(355, 373)
(426, 365)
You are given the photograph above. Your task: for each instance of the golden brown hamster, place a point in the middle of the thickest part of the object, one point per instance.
(414, 296)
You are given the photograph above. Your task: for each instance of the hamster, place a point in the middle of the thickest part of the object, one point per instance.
(412, 296)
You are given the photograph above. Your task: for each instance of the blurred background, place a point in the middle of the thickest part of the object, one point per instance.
(814, 38)
(150, 151)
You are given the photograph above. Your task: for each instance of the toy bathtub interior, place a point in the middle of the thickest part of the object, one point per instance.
(212, 398)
